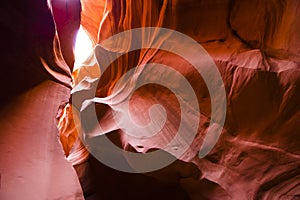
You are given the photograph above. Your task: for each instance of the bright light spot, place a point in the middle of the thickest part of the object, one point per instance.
(83, 47)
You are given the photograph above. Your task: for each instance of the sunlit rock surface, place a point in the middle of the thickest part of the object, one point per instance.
(254, 44)
(255, 47)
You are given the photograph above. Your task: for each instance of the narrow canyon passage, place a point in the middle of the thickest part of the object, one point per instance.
(157, 99)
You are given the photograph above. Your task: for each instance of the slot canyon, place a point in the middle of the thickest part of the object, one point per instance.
(150, 99)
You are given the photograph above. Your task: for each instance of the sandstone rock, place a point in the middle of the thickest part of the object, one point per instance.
(255, 46)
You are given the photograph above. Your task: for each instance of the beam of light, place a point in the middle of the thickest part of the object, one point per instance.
(83, 48)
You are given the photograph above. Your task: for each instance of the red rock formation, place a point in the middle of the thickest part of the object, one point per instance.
(252, 43)
(32, 164)
(255, 46)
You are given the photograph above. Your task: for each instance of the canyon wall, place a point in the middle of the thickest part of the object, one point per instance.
(255, 46)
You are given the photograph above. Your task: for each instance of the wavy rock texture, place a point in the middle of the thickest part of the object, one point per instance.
(255, 47)
(254, 44)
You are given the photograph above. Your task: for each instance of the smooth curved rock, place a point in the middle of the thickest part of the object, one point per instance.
(255, 46)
